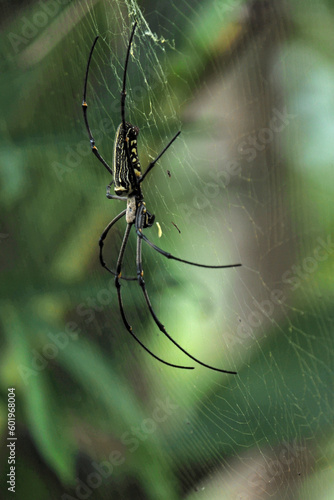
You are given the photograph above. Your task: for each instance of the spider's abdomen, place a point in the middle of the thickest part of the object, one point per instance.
(124, 174)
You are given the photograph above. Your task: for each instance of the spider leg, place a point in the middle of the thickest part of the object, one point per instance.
(161, 327)
(84, 108)
(139, 232)
(123, 93)
(123, 97)
(101, 244)
(114, 196)
(120, 302)
(151, 165)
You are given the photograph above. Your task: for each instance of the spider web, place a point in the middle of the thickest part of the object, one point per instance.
(250, 85)
(237, 188)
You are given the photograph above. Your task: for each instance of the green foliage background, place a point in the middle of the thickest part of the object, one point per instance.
(83, 387)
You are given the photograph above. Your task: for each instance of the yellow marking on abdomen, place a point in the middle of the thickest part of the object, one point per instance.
(159, 229)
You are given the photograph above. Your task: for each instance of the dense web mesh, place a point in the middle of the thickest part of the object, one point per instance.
(230, 193)
(247, 181)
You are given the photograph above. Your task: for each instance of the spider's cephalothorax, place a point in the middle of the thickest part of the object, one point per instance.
(127, 179)
(126, 165)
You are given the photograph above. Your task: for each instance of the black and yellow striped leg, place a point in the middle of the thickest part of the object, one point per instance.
(125, 321)
(161, 327)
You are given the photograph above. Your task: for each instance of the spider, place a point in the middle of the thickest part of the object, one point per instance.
(127, 180)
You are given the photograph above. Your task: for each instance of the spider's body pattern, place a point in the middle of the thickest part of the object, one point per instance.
(127, 180)
(124, 180)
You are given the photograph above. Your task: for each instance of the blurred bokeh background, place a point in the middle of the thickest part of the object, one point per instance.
(251, 86)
